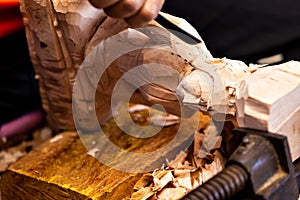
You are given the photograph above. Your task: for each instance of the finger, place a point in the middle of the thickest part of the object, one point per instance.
(103, 3)
(148, 12)
(124, 8)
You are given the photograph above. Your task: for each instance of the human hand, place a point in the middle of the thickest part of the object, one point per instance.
(135, 12)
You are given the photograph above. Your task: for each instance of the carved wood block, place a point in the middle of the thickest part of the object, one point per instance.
(61, 168)
(61, 34)
(268, 99)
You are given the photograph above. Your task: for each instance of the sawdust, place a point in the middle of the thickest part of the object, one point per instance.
(12, 154)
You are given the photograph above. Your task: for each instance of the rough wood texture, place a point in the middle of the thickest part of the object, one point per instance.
(57, 34)
(62, 169)
(268, 99)
(62, 33)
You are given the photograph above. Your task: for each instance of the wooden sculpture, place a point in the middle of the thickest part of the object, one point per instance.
(62, 34)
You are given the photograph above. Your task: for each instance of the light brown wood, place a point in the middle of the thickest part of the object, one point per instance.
(57, 34)
(268, 99)
(61, 34)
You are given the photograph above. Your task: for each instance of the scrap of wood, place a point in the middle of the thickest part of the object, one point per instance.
(181, 175)
(178, 182)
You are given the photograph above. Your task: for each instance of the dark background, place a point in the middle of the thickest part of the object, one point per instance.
(246, 30)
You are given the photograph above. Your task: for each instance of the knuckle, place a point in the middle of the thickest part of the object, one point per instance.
(148, 14)
(130, 6)
(101, 3)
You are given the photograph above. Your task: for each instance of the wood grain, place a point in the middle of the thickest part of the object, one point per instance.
(61, 168)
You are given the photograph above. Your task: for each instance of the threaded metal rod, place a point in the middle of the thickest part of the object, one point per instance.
(223, 186)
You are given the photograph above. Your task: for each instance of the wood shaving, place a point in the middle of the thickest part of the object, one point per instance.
(157, 118)
(8, 157)
(13, 153)
(56, 138)
(185, 173)
(171, 193)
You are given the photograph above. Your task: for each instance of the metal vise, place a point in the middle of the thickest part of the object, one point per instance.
(259, 168)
